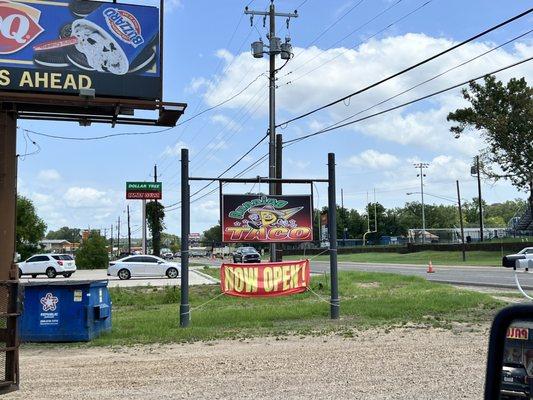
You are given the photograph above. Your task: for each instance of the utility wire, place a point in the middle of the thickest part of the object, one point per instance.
(434, 77)
(425, 61)
(337, 126)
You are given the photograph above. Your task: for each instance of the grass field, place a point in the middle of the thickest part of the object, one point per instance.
(490, 258)
(151, 315)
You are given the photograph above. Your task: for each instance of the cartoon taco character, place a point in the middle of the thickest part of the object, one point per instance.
(269, 216)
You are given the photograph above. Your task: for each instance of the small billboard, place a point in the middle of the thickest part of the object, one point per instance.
(64, 46)
(266, 219)
(144, 190)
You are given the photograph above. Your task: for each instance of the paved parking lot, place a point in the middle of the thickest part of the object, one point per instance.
(195, 278)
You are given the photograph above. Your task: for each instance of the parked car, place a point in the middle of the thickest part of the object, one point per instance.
(143, 265)
(167, 255)
(50, 265)
(515, 382)
(246, 255)
(509, 261)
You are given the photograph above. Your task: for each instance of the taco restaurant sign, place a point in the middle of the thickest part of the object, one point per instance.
(262, 218)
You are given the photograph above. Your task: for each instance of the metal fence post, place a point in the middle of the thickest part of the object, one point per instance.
(185, 228)
(332, 220)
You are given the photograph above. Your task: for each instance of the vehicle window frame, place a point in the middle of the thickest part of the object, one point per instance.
(134, 259)
(150, 260)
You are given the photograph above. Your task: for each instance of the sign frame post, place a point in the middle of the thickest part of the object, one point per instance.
(185, 230)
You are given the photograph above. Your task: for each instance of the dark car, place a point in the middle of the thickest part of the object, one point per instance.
(246, 255)
(515, 382)
(510, 260)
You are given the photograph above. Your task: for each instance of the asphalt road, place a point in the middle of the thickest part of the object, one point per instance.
(461, 275)
(195, 278)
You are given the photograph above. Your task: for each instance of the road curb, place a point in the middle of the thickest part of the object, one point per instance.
(479, 284)
(208, 277)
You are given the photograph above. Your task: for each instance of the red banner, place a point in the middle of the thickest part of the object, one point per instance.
(267, 219)
(265, 279)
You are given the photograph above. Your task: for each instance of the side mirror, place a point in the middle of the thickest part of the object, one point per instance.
(510, 356)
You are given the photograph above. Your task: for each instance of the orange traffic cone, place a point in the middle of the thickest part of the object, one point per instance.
(430, 268)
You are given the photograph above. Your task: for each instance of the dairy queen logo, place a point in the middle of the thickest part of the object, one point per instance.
(19, 25)
(49, 302)
(124, 25)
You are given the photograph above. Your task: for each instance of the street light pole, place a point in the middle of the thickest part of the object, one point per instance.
(422, 166)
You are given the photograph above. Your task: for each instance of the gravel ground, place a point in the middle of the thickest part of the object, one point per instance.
(407, 363)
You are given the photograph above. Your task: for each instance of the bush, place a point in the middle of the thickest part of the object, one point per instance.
(93, 253)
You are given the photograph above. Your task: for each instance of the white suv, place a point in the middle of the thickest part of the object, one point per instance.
(50, 265)
(143, 265)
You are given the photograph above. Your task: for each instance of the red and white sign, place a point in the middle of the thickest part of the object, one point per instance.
(19, 25)
(518, 333)
(265, 279)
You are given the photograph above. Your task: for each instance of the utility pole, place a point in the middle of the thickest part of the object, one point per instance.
(461, 221)
(155, 235)
(111, 239)
(275, 47)
(479, 199)
(129, 231)
(343, 219)
(422, 166)
(118, 237)
(279, 175)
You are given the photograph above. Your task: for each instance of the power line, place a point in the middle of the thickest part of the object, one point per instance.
(434, 77)
(337, 126)
(425, 61)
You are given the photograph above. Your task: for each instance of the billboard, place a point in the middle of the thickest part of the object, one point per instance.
(267, 219)
(62, 46)
(144, 190)
(265, 279)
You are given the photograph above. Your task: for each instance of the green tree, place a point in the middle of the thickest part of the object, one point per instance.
(503, 114)
(213, 234)
(30, 228)
(93, 253)
(71, 234)
(155, 215)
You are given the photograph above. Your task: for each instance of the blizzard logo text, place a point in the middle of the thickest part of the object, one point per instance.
(125, 25)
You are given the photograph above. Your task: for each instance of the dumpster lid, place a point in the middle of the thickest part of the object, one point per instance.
(102, 282)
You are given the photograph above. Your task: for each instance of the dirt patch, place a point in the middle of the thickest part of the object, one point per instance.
(369, 285)
(402, 363)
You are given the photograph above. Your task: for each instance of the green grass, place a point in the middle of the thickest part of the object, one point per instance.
(489, 258)
(214, 272)
(151, 315)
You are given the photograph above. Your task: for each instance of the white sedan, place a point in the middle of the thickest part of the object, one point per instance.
(143, 265)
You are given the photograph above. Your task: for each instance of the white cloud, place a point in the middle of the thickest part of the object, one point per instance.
(171, 5)
(226, 122)
(78, 197)
(48, 175)
(174, 150)
(373, 159)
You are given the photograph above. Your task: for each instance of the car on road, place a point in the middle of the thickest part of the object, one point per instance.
(509, 261)
(50, 265)
(143, 265)
(246, 255)
(515, 382)
(167, 255)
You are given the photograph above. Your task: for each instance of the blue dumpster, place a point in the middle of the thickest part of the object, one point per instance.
(73, 311)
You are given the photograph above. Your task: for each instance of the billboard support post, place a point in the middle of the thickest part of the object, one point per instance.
(332, 219)
(8, 275)
(185, 230)
(143, 240)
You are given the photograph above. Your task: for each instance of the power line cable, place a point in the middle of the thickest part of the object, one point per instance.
(337, 126)
(425, 61)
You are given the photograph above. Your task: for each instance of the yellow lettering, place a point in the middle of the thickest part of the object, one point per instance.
(69, 82)
(239, 279)
(228, 279)
(268, 279)
(286, 272)
(84, 82)
(295, 269)
(251, 278)
(26, 79)
(55, 80)
(4, 77)
(39, 79)
(278, 274)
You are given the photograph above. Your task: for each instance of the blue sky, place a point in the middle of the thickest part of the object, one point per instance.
(82, 183)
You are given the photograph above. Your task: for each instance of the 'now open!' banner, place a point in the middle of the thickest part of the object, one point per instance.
(265, 279)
